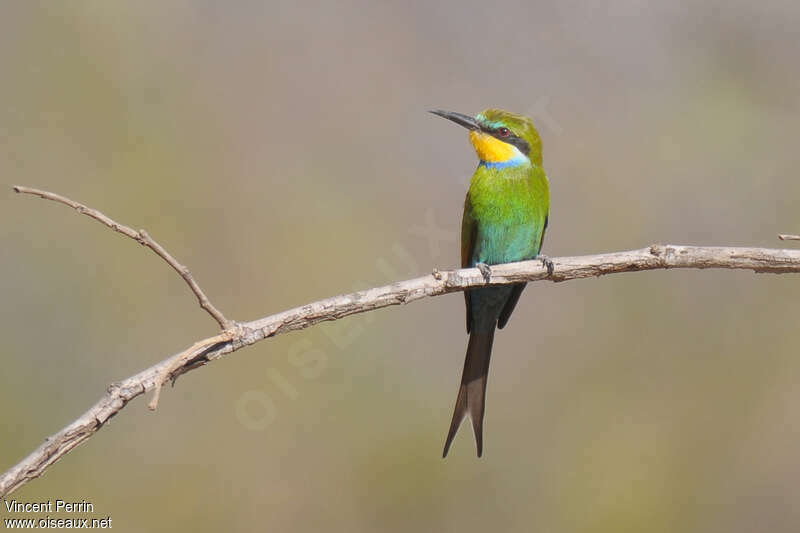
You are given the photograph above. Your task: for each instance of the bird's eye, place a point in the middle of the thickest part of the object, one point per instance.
(503, 132)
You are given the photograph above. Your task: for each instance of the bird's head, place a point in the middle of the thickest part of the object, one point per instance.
(500, 138)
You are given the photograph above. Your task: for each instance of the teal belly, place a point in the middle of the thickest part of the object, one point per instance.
(505, 243)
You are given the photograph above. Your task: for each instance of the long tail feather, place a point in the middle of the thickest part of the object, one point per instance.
(472, 392)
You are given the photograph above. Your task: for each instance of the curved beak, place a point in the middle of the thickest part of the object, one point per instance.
(462, 120)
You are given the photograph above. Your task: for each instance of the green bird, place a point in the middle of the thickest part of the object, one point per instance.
(505, 218)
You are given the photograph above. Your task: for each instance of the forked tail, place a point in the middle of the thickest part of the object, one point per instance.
(472, 392)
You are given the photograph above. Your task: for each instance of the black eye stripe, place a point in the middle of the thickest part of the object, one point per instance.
(511, 139)
(519, 143)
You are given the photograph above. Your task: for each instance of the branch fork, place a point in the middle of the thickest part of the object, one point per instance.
(229, 330)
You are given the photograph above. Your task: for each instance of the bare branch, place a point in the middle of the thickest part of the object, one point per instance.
(787, 237)
(440, 282)
(179, 361)
(142, 238)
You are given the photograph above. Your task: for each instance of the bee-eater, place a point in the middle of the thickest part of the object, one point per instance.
(505, 218)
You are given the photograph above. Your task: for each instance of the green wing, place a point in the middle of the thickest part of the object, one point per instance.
(469, 233)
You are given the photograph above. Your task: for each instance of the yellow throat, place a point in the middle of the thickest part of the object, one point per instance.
(492, 150)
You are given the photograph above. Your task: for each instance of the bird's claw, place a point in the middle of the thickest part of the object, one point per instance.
(547, 263)
(486, 271)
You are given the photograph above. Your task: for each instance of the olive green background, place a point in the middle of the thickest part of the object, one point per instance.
(283, 152)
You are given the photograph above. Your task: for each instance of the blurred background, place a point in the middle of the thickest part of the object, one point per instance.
(284, 153)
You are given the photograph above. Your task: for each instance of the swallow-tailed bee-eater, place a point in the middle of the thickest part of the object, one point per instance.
(505, 218)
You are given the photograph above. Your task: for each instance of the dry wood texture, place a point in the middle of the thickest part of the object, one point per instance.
(237, 335)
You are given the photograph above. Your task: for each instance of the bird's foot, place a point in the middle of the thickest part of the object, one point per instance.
(486, 271)
(547, 263)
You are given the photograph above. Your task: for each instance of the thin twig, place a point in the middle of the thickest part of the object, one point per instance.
(142, 238)
(788, 237)
(441, 282)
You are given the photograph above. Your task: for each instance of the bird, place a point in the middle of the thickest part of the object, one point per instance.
(505, 217)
